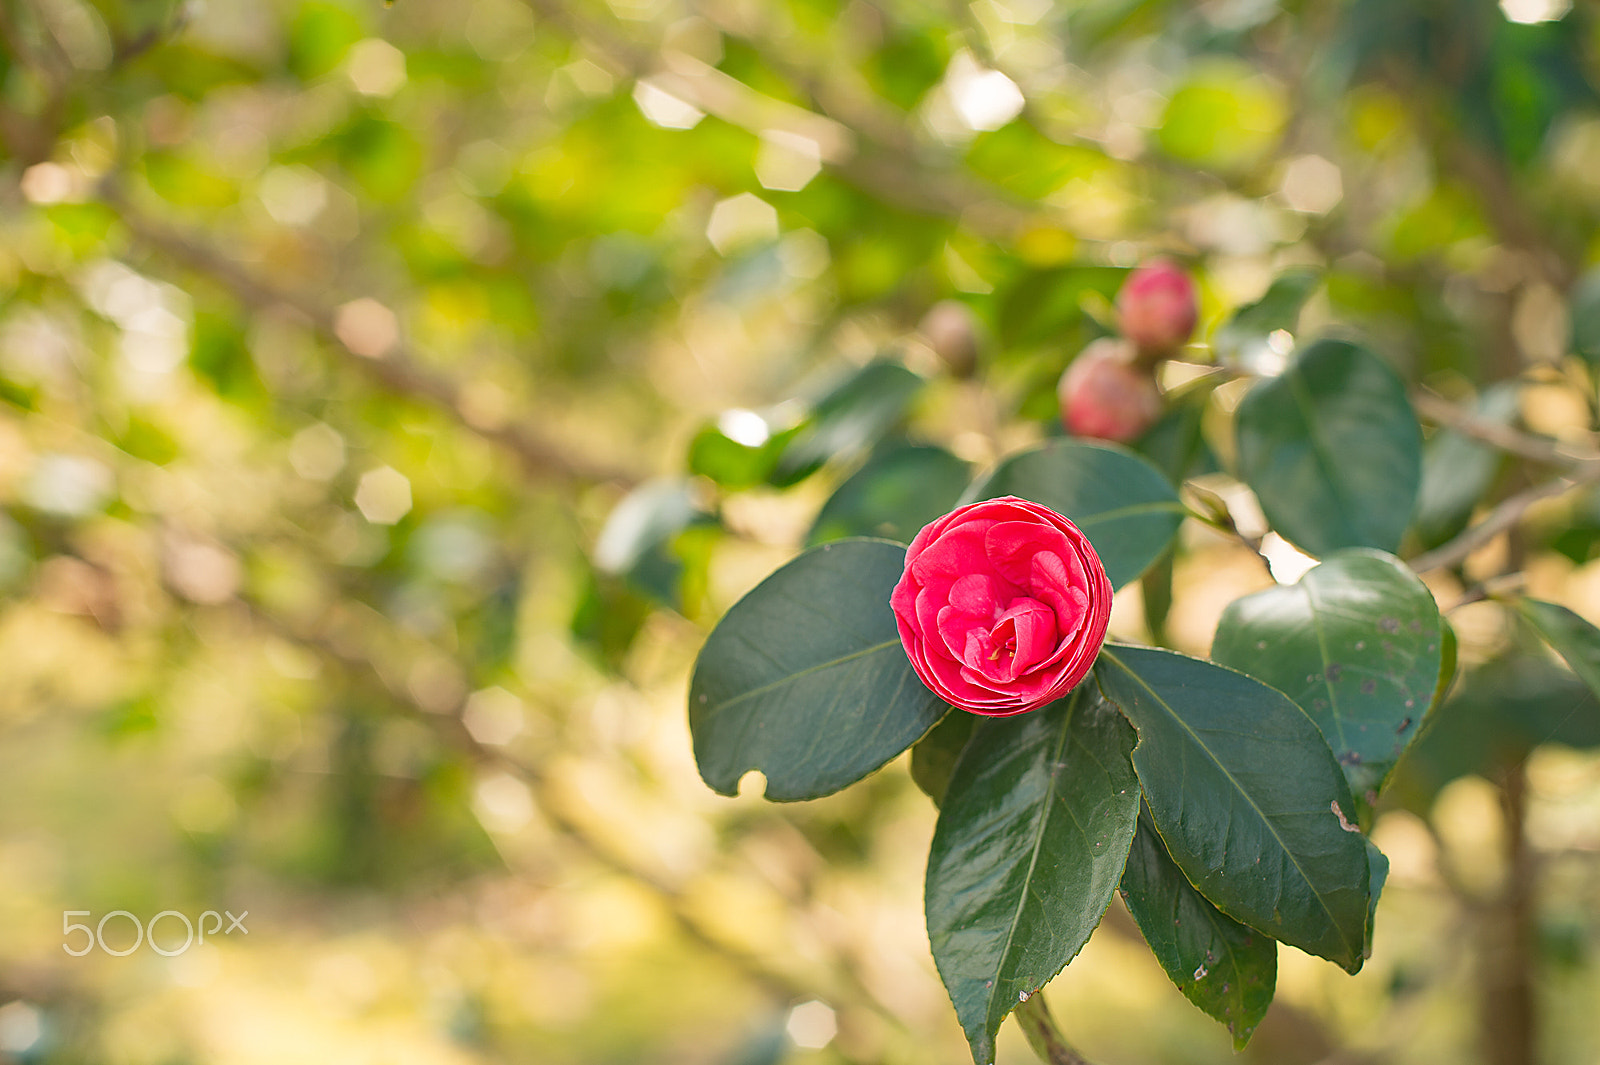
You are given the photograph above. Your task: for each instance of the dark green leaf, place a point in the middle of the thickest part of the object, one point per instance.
(1356, 643)
(1124, 505)
(1223, 967)
(805, 678)
(1458, 471)
(893, 495)
(1500, 712)
(1244, 340)
(1247, 797)
(1573, 638)
(848, 420)
(1332, 449)
(1030, 843)
(933, 758)
(1377, 876)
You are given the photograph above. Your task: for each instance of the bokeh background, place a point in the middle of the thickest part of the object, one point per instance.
(333, 334)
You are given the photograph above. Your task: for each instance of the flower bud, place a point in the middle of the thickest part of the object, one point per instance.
(1157, 307)
(952, 332)
(1105, 395)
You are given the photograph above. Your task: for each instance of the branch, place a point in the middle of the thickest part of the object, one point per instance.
(449, 726)
(397, 371)
(1506, 513)
(1507, 438)
(890, 170)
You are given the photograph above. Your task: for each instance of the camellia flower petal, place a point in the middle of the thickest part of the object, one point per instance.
(1002, 607)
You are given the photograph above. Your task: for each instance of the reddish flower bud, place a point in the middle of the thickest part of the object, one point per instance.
(1157, 307)
(1106, 396)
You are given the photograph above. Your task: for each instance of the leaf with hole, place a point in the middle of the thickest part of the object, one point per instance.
(1247, 797)
(805, 678)
(1031, 839)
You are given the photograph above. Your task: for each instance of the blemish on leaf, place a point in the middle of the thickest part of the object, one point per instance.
(1405, 723)
(1369, 686)
(1389, 625)
(1350, 758)
(1333, 672)
(1200, 973)
(1261, 645)
(1361, 645)
(1344, 822)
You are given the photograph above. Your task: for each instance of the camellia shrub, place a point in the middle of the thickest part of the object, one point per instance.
(963, 616)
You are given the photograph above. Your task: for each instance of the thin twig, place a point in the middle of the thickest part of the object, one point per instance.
(779, 985)
(1507, 438)
(397, 370)
(1506, 514)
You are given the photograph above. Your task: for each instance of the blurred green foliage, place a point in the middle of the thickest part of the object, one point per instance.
(332, 335)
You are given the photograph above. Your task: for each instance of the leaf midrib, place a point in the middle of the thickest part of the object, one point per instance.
(1133, 510)
(1271, 828)
(751, 693)
(1033, 853)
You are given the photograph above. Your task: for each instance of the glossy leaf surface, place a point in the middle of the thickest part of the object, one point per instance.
(1247, 797)
(1333, 450)
(1124, 505)
(1226, 969)
(1030, 843)
(1356, 643)
(805, 678)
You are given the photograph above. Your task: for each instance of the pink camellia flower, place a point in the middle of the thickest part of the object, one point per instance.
(1157, 308)
(1002, 607)
(1104, 394)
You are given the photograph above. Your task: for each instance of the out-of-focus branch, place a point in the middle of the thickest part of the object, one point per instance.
(1505, 515)
(1507, 438)
(345, 652)
(396, 370)
(859, 139)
